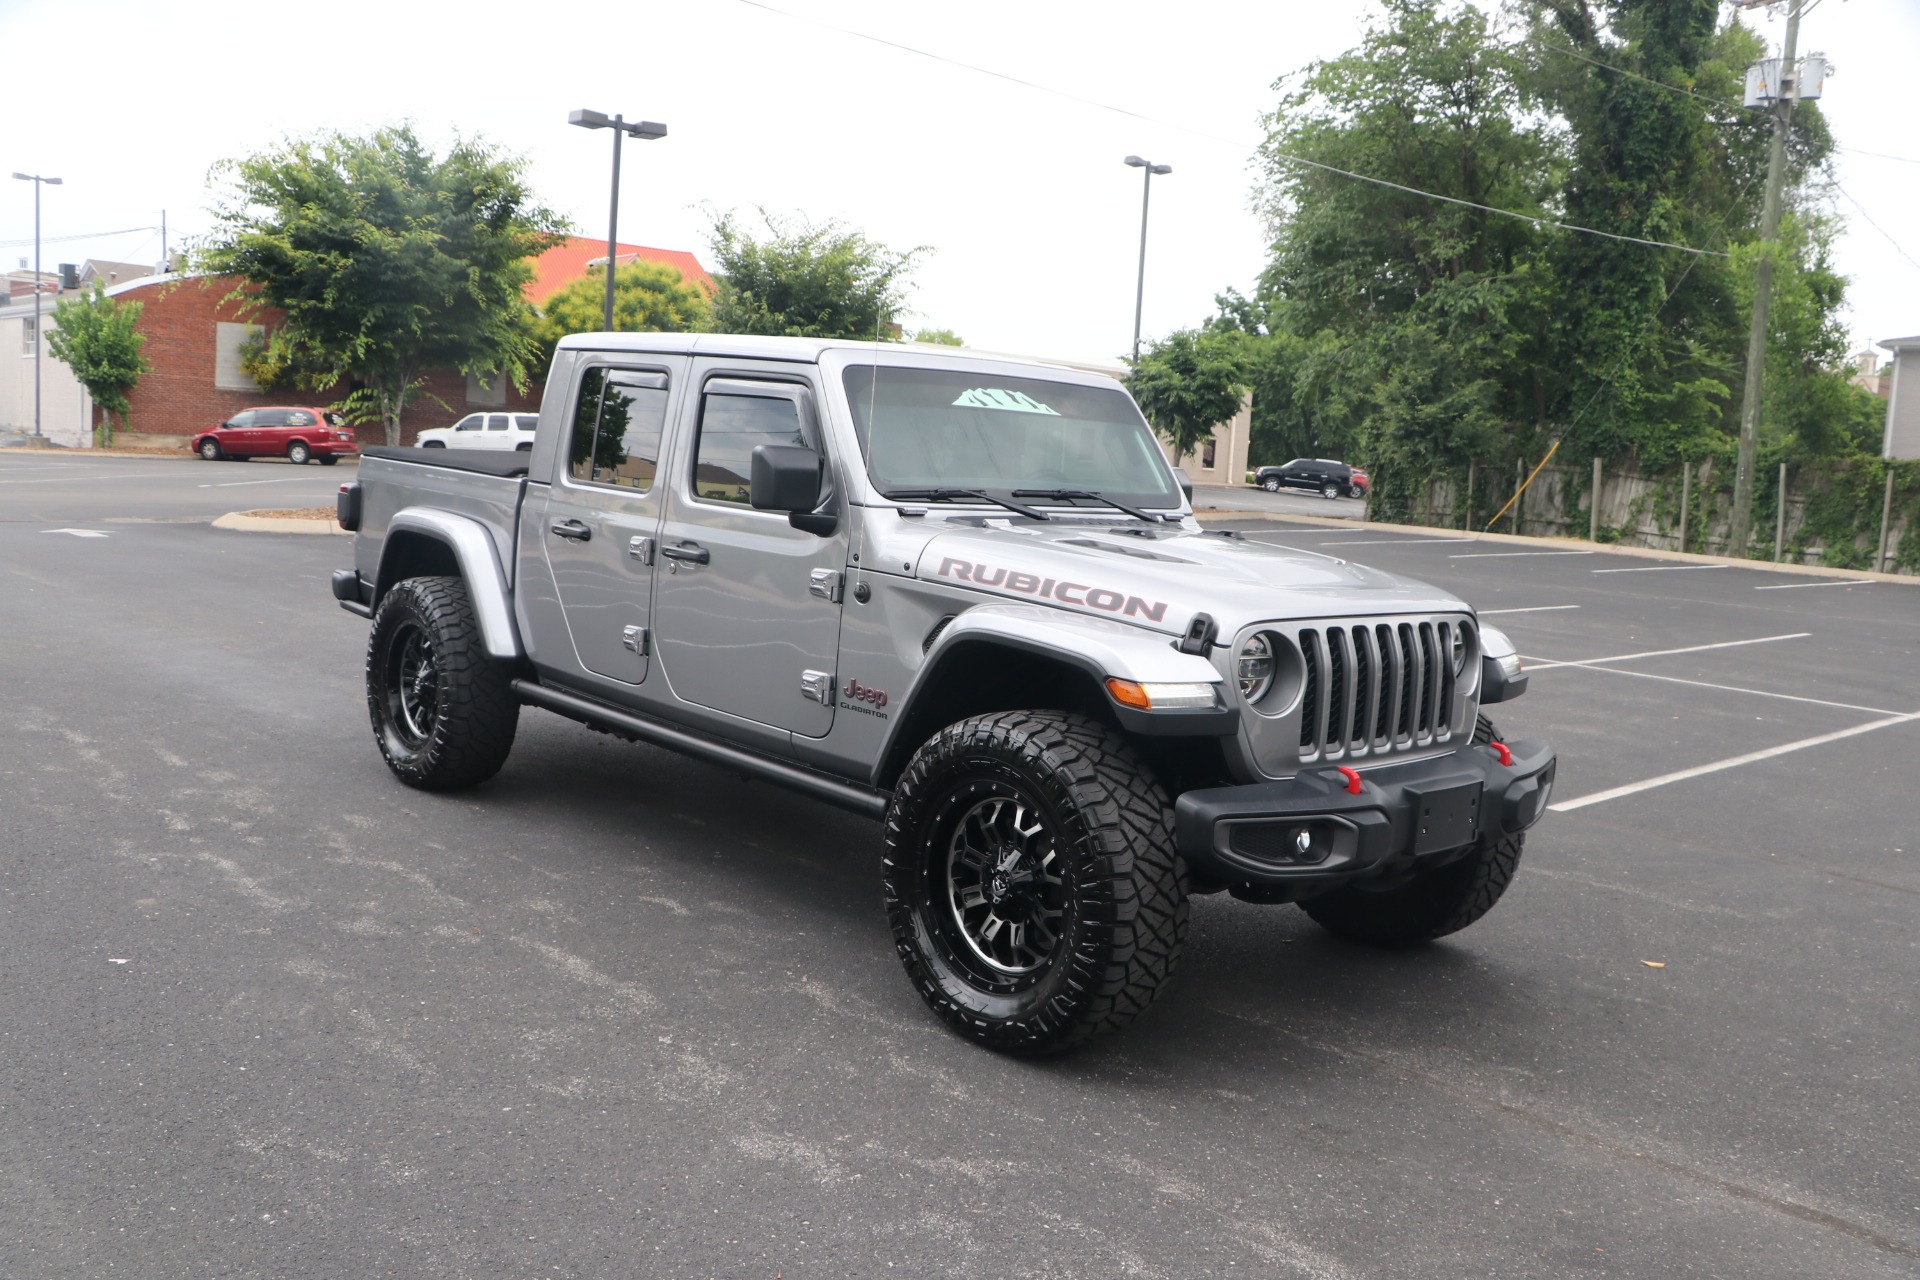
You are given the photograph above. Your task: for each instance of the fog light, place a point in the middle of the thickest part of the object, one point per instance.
(1303, 841)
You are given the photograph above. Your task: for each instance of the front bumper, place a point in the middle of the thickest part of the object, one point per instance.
(1310, 829)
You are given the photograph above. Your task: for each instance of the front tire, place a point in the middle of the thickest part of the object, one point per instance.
(1428, 904)
(1031, 881)
(443, 712)
(210, 450)
(1270, 485)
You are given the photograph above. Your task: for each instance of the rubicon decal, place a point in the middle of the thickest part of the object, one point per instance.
(1074, 593)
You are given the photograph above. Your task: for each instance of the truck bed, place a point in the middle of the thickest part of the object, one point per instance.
(489, 462)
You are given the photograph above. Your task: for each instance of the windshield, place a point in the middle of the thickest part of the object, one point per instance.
(961, 429)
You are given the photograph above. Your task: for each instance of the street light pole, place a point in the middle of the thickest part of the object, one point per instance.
(647, 131)
(1140, 283)
(37, 181)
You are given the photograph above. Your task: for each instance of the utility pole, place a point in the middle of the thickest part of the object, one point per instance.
(1785, 92)
(39, 330)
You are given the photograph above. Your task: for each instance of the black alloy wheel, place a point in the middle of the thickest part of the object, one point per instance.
(1031, 881)
(443, 711)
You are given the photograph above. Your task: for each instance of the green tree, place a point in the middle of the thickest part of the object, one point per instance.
(807, 281)
(1187, 384)
(387, 261)
(99, 339)
(939, 337)
(648, 297)
(1403, 331)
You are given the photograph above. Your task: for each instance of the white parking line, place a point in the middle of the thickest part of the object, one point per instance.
(1837, 582)
(1734, 688)
(1682, 775)
(1507, 555)
(85, 475)
(1544, 665)
(1381, 542)
(1539, 608)
(238, 484)
(1663, 568)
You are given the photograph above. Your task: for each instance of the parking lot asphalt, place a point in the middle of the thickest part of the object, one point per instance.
(616, 1013)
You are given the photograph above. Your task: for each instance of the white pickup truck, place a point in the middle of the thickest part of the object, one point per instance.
(965, 596)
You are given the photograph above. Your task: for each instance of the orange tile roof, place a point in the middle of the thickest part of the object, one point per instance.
(567, 261)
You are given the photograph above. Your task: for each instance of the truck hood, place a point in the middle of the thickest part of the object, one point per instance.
(1160, 577)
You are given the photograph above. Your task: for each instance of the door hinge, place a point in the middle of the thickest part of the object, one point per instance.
(636, 639)
(826, 583)
(817, 686)
(640, 549)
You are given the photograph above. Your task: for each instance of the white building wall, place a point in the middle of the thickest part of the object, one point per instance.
(66, 410)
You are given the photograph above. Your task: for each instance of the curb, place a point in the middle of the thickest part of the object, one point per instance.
(1561, 544)
(248, 523)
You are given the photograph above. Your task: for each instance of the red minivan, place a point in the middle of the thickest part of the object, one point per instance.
(296, 434)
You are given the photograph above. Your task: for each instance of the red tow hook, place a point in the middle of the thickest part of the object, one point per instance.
(1500, 749)
(1353, 779)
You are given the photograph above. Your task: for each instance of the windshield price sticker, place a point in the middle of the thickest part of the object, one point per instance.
(1007, 401)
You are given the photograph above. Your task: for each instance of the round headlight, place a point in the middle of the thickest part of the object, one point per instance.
(1253, 667)
(1459, 648)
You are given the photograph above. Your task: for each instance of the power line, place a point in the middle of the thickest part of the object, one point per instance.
(89, 235)
(1608, 66)
(1877, 155)
(1535, 219)
(1876, 226)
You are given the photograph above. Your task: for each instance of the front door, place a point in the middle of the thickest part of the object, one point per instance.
(749, 606)
(603, 513)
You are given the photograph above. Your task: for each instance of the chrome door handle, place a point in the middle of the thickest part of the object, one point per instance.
(691, 552)
(572, 529)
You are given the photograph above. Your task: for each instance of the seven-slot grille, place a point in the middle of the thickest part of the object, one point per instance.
(1375, 687)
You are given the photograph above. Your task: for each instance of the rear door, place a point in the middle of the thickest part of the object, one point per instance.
(748, 607)
(269, 434)
(602, 515)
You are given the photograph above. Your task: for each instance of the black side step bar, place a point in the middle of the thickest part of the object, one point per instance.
(861, 800)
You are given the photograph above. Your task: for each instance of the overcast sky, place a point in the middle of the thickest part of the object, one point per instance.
(1032, 219)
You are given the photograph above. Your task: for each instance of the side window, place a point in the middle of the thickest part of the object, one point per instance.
(617, 423)
(496, 422)
(299, 418)
(472, 422)
(269, 417)
(526, 421)
(732, 426)
(240, 421)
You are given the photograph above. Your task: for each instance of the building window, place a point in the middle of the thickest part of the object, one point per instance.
(493, 394)
(228, 339)
(29, 334)
(1206, 455)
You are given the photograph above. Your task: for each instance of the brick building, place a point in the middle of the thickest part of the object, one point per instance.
(195, 330)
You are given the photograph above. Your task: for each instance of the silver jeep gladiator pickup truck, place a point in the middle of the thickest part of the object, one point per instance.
(965, 596)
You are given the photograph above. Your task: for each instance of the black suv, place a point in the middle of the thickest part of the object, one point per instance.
(1327, 478)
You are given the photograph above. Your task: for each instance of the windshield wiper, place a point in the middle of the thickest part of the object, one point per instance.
(1064, 495)
(950, 495)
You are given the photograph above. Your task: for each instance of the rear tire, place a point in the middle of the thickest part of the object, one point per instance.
(329, 462)
(1330, 491)
(1428, 904)
(1031, 880)
(298, 454)
(443, 712)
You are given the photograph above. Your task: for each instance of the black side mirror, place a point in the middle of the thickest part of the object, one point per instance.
(789, 477)
(1186, 482)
